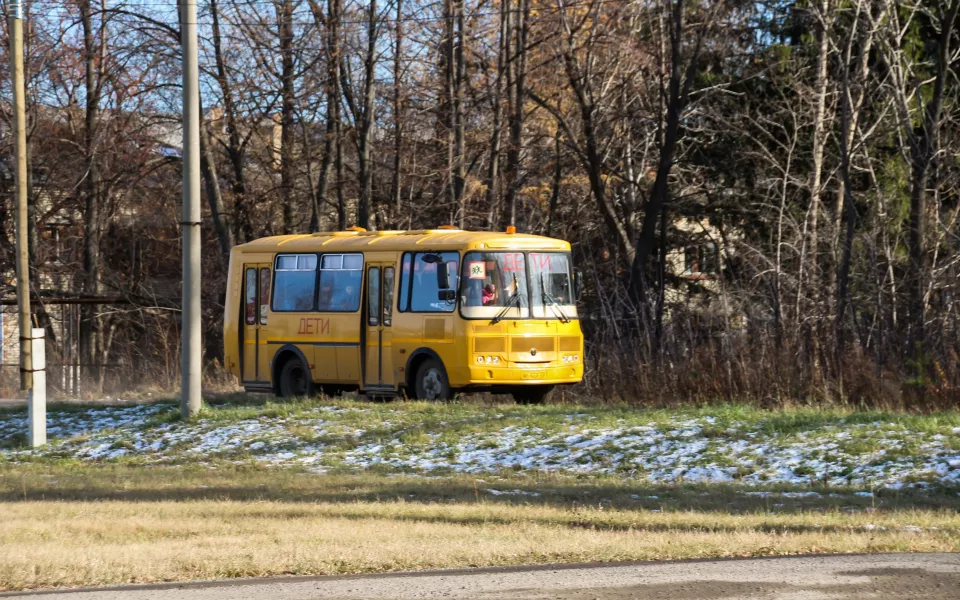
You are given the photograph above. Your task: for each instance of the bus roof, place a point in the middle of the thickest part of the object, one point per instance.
(426, 239)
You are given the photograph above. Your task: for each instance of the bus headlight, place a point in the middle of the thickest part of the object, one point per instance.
(489, 360)
(571, 358)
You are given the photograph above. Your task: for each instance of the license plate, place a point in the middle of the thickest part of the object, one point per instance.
(532, 375)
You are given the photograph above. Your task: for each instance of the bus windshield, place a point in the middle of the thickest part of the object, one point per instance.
(516, 285)
(552, 293)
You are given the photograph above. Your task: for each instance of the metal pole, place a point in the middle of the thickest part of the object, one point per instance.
(190, 368)
(37, 397)
(15, 22)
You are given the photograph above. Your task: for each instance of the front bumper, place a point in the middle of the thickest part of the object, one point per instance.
(518, 375)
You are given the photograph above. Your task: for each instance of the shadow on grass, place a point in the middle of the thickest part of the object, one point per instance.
(78, 482)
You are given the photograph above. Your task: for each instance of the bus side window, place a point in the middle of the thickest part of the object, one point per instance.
(340, 279)
(425, 288)
(373, 296)
(250, 296)
(404, 304)
(387, 296)
(264, 294)
(295, 285)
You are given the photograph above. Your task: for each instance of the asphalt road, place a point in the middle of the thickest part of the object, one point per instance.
(860, 577)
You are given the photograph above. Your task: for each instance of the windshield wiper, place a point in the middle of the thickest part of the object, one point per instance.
(548, 299)
(516, 298)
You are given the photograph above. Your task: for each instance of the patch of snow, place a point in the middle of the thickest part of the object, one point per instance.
(511, 493)
(665, 453)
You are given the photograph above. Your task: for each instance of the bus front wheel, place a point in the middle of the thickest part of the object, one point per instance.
(532, 394)
(432, 382)
(295, 379)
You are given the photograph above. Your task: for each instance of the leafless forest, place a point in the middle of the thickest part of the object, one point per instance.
(808, 150)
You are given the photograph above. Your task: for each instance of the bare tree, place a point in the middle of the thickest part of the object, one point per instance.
(922, 145)
(94, 57)
(683, 71)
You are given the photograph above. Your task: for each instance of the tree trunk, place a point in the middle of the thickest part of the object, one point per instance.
(516, 96)
(812, 242)
(208, 168)
(679, 92)
(459, 175)
(447, 118)
(333, 103)
(235, 147)
(365, 141)
(320, 192)
(90, 324)
(923, 150)
(850, 113)
(395, 189)
(493, 170)
(557, 179)
(287, 134)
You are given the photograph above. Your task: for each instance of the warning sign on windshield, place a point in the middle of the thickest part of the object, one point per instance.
(478, 270)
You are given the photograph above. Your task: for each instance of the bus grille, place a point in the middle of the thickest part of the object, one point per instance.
(569, 344)
(489, 344)
(540, 343)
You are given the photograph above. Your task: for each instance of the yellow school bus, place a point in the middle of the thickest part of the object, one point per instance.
(422, 313)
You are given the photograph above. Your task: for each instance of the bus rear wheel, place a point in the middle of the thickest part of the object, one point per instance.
(532, 394)
(431, 382)
(295, 379)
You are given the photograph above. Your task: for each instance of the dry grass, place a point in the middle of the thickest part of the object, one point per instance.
(125, 525)
(83, 543)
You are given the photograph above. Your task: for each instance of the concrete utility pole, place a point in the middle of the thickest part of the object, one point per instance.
(190, 367)
(15, 22)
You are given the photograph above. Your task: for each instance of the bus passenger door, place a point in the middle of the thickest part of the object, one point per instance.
(256, 298)
(378, 361)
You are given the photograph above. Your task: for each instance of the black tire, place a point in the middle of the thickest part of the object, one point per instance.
(295, 379)
(532, 394)
(431, 381)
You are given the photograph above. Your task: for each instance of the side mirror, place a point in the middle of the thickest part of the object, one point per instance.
(577, 283)
(447, 295)
(445, 274)
(443, 277)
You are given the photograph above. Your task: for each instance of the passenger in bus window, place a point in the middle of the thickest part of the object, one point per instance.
(303, 302)
(489, 294)
(326, 296)
(348, 299)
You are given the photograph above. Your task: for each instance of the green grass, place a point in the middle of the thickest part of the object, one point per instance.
(334, 430)
(468, 417)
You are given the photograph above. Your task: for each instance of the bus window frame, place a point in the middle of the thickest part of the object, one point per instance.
(413, 254)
